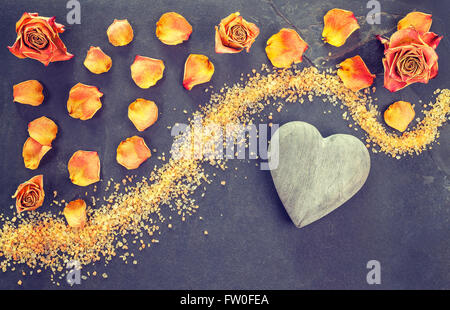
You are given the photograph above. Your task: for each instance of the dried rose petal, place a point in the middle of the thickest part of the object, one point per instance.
(418, 20)
(285, 48)
(172, 28)
(30, 194)
(97, 61)
(399, 115)
(132, 152)
(84, 168)
(75, 213)
(197, 70)
(43, 130)
(33, 152)
(355, 74)
(29, 92)
(143, 113)
(146, 71)
(339, 25)
(84, 101)
(120, 32)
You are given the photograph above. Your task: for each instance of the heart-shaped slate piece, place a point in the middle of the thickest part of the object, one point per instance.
(315, 175)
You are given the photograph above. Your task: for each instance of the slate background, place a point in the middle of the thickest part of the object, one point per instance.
(400, 217)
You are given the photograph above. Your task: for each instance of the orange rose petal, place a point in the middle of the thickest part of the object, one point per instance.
(29, 92)
(338, 26)
(30, 194)
(399, 115)
(146, 71)
(97, 61)
(132, 152)
(33, 152)
(143, 113)
(172, 29)
(84, 101)
(285, 48)
(75, 213)
(418, 20)
(355, 74)
(84, 168)
(197, 70)
(43, 130)
(120, 32)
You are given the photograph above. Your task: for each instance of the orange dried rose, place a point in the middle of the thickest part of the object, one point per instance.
(234, 34)
(132, 152)
(197, 70)
(172, 28)
(338, 26)
(43, 130)
(399, 115)
(75, 213)
(84, 101)
(418, 20)
(97, 61)
(84, 168)
(143, 113)
(29, 92)
(33, 152)
(355, 74)
(285, 48)
(120, 32)
(146, 71)
(30, 194)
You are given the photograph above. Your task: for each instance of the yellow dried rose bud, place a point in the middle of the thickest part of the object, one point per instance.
(399, 115)
(173, 29)
(143, 113)
(75, 213)
(120, 32)
(30, 194)
(97, 61)
(29, 92)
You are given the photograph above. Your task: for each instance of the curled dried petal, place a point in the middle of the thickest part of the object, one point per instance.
(75, 213)
(143, 113)
(146, 71)
(33, 152)
(120, 32)
(338, 26)
(132, 152)
(355, 74)
(29, 92)
(43, 130)
(399, 115)
(84, 101)
(285, 48)
(418, 20)
(197, 70)
(84, 168)
(97, 61)
(30, 194)
(172, 28)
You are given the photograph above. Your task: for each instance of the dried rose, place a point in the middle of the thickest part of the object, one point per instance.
(234, 34)
(355, 74)
(120, 32)
(75, 213)
(30, 194)
(132, 152)
(285, 48)
(38, 38)
(172, 29)
(197, 70)
(146, 71)
(338, 26)
(84, 168)
(84, 101)
(143, 113)
(399, 115)
(43, 130)
(418, 20)
(97, 61)
(33, 152)
(29, 92)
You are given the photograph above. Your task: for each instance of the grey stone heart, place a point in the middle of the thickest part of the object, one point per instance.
(315, 175)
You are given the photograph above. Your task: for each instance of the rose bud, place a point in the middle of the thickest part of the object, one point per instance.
(75, 213)
(28, 92)
(84, 168)
(355, 74)
(285, 48)
(197, 70)
(132, 152)
(43, 130)
(33, 152)
(38, 38)
(30, 194)
(418, 20)
(142, 113)
(146, 71)
(338, 26)
(120, 32)
(234, 34)
(173, 29)
(399, 115)
(97, 61)
(84, 101)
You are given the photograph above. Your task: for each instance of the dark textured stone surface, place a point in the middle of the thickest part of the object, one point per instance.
(400, 217)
